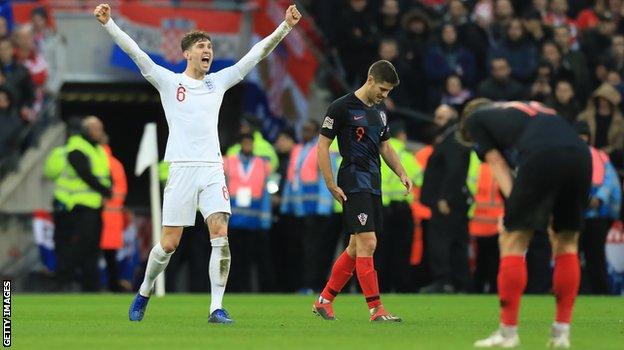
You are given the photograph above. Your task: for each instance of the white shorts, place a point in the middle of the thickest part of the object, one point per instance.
(191, 187)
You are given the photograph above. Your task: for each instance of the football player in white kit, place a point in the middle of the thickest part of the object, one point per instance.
(191, 101)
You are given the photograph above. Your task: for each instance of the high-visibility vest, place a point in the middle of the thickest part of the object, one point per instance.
(335, 158)
(112, 214)
(489, 205)
(163, 172)
(250, 200)
(472, 177)
(71, 190)
(261, 148)
(305, 192)
(55, 163)
(392, 189)
(599, 160)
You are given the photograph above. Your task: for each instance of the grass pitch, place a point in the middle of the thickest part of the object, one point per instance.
(286, 322)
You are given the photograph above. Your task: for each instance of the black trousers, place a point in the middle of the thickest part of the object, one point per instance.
(194, 253)
(487, 258)
(319, 236)
(112, 270)
(77, 244)
(286, 251)
(250, 251)
(448, 248)
(394, 244)
(593, 240)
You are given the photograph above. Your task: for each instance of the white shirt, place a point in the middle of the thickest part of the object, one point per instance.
(192, 106)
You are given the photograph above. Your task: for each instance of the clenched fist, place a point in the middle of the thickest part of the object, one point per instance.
(102, 12)
(292, 15)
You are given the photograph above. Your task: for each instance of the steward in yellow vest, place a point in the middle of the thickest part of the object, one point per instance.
(82, 175)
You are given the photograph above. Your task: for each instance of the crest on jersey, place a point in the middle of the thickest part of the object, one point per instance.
(173, 29)
(209, 84)
(328, 123)
(382, 115)
(362, 217)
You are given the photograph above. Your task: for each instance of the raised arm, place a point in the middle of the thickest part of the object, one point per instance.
(262, 49)
(103, 14)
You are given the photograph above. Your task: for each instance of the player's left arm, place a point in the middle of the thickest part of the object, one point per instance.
(500, 170)
(262, 49)
(391, 158)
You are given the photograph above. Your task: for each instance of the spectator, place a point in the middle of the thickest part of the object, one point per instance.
(615, 79)
(483, 13)
(52, 47)
(27, 54)
(604, 207)
(4, 28)
(417, 28)
(574, 60)
(521, 54)
(389, 23)
(444, 191)
(501, 86)
(604, 118)
(588, 18)
(17, 78)
(558, 16)
(540, 7)
(552, 54)
(564, 101)
(455, 95)
(355, 40)
(262, 147)
(503, 14)
(535, 29)
(541, 89)
(615, 58)
(247, 177)
(446, 58)
(596, 41)
(472, 36)
(402, 95)
(11, 123)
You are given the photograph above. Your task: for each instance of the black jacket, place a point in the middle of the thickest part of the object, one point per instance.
(445, 175)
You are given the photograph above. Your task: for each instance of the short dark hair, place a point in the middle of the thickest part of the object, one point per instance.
(192, 37)
(383, 71)
(245, 136)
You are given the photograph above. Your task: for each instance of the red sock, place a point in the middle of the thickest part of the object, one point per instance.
(340, 275)
(367, 276)
(566, 281)
(512, 279)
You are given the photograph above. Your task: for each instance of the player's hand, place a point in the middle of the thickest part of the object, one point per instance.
(443, 207)
(102, 12)
(407, 182)
(292, 15)
(501, 225)
(338, 193)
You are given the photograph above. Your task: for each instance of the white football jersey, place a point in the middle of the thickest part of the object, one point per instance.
(192, 112)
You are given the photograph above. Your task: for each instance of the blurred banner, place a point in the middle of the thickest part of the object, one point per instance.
(277, 90)
(159, 30)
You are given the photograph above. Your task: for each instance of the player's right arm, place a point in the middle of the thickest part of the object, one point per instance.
(326, 169)
(148, 68)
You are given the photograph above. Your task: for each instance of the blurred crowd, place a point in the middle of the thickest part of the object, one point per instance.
(30, 56)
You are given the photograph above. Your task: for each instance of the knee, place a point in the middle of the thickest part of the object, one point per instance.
(351, 250)
(564, 243)
(513, 243)
(366, 247)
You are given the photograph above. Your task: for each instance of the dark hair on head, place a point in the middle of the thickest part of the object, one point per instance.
(383, 71)
(39, 11)
(192, 37)
(314, 124)
(463, 135)
(245, 136)
(289, 132)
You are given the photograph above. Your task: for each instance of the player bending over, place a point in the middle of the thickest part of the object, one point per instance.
(191, 101)
(549, 192)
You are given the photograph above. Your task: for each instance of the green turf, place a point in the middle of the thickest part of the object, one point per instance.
(286, 322)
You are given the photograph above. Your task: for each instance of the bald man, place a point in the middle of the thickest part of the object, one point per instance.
(80, 191)
(444, 191)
